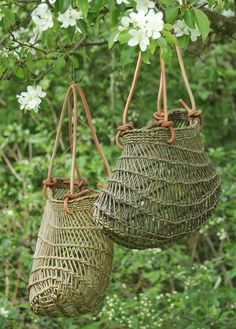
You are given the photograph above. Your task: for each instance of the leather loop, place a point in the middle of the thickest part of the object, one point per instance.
(69, 196)
(120, 130)
(165, 124)
(49, 182)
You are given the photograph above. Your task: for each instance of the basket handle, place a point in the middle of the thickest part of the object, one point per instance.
(72, 93)
(160, 116)
(192, 112)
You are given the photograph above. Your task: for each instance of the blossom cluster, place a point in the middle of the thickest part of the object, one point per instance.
(143, 24)
(180, 29)
(31, 99)
(43, 19)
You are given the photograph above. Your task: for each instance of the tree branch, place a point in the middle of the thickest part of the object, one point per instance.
(221, 24)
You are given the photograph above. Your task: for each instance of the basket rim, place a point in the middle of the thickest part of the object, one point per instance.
(195, 126)
(92, 194)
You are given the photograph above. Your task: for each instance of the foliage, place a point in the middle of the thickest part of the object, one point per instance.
(186, 285)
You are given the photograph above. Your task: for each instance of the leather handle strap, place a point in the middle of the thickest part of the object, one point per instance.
(160, 116)
(70, 102)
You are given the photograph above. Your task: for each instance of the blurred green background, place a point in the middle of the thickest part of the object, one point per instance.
(189, 284)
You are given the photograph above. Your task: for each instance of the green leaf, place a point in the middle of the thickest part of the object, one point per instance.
(171, 13)
(167, 54)
(62, 5)
(9, 17)
(20, 73)
(202, 22)
(124, 36)
(211, 3)
(170, 38)
(184, 41)
(168, 26)
(83, 26)
(128, 54)
(59, 64)
(153, 46)
(189, 18)
(111, 40)
(74, 61)
(146, 57)
(167, 2)
(162, 42)
(83, 6)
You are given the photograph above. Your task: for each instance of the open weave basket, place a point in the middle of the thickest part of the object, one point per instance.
(73, 258)
(159, 190)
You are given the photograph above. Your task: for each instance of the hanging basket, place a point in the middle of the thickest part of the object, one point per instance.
(164, 185)
(73, 258)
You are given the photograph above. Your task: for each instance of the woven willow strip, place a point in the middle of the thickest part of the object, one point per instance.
(158, 191)
(73, 258)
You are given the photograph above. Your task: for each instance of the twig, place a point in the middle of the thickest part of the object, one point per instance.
(8, 163)
(227, 279)
(17, 284)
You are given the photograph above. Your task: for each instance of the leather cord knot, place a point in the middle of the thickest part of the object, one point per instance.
(120, 130)
(158, 116)
(161, 122)
(49, 182)
(125, 127)
(83, 187)
(192, 113)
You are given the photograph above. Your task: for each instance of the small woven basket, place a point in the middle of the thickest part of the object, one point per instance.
(159, 190)
(73, 258)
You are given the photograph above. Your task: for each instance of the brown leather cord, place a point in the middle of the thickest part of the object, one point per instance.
(127, 126)
(71, 134)
(50, 181)
(71, 96)
(160, 116)
(93, 133)
(162, 119)
(192, 112)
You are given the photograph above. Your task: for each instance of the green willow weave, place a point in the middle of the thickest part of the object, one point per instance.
(159, 191)
(73, 258)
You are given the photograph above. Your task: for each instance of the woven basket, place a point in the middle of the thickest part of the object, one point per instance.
(159, 190)
(73, 258)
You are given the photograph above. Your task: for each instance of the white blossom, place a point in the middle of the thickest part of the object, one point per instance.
(31, 99)
(155, 24)
(228, 13)
(194, 34)
(138, 19)
(124, 23)
(122, 1)
(69, 17)
(4, 312)
(139, 37)
(42, 18)
(52, 1)
(144, 5)
(180, 28)
(180, 2)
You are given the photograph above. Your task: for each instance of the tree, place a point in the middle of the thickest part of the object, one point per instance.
(43, 37)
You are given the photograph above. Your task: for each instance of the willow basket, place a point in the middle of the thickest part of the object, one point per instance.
(73, 258)
(159, 191)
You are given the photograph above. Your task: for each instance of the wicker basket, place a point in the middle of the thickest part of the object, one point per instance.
(159, 190)
(73, 258)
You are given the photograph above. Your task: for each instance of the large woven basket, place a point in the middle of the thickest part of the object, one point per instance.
(73, 258)
(162, 188)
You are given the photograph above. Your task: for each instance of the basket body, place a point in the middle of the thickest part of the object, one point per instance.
(158, 191)
(73, 258)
